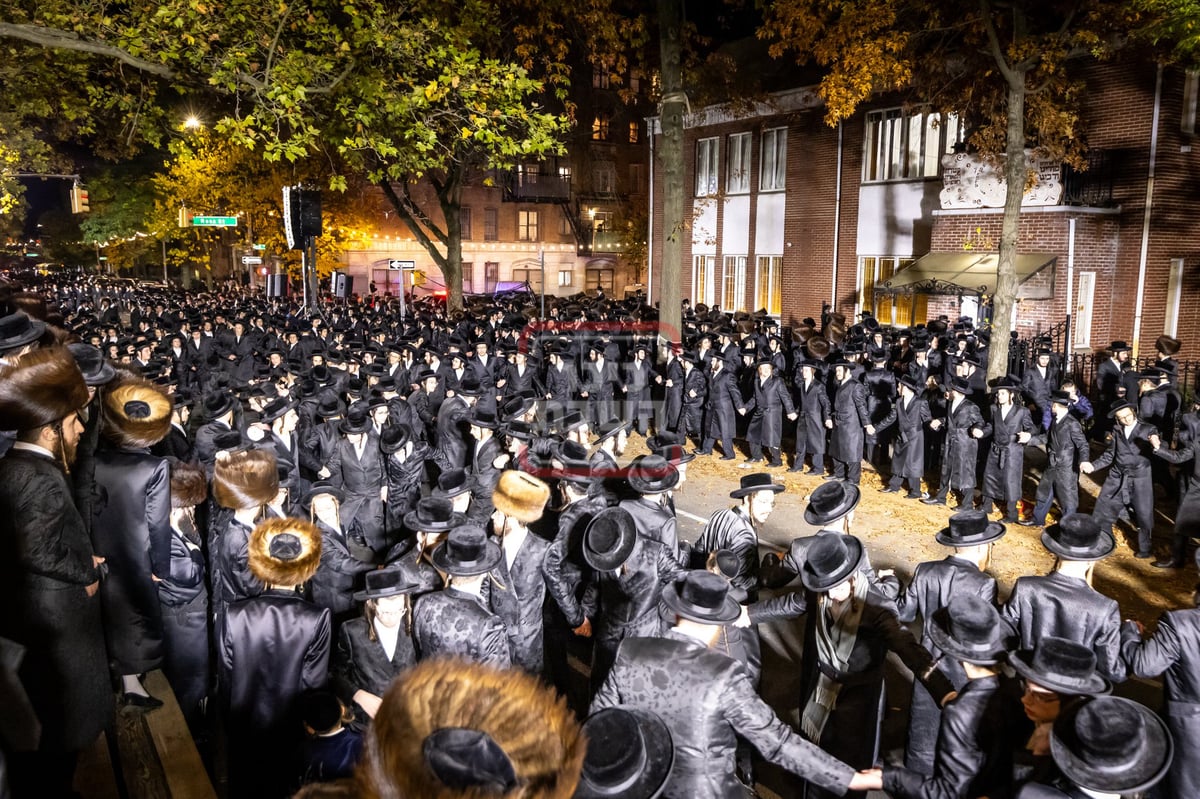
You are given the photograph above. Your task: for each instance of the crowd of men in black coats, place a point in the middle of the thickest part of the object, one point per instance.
(285, 511)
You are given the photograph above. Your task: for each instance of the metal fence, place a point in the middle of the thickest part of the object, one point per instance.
(1021, 351)
(1083, 366)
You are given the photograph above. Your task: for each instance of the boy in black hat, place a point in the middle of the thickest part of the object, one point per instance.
(1129, 484)
(1066, 449)
(734, 529)
(1003, 469)
(964, 427)
(769, 399)
(812, 400)
(910, 414)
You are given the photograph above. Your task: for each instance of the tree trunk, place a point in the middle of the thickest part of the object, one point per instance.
(670, 18)
(1005, 298)
(451, 202)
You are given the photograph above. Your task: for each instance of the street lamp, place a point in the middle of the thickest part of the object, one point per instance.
(192, 122)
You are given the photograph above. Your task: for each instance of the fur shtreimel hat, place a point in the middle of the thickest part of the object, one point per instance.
(40, 388)
(518, 716)
(285, 552)
(137, 414)
(521, 496)
(245, 479)
(189, 486)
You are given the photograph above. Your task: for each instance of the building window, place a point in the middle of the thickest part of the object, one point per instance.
(601, 279)
(564, 222)
(491, 275)
(564, 277)
(637, 178)
(635, 82)
(531, 276)
(733, 283)
(737, 168)
(600, 78)
(1174, 296)
(604, 177)
(527, 174)
(491, 225)
(704, 269)
(600, 124)
(634, 132)
(888, 309)
(769, 283)
(707, 151)
(527, 225)
(468, 272)
(603, 220)
(903, 146)
(464, 222)
(564, 174)
(774, 160)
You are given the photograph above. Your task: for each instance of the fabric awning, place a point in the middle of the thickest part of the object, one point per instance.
(963, 273)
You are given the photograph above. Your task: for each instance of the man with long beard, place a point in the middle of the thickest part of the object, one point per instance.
(49, 575)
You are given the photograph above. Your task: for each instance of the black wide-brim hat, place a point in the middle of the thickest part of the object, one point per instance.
(759, 481)
(831, 501)
(19, 329)
(629, 754)
(392, 581)
(1078, 536)
(1112, 414)
(467, 552)
(97, 371)
(319, 488)
(652, 474)
(703, 597)
(970, 629)
(969, 528)
(1062, 666)
(1111, 744)
(609, 539)
(433, 515)
(832, 559)
(394, 437)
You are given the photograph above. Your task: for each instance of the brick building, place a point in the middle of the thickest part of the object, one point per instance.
(788, 214)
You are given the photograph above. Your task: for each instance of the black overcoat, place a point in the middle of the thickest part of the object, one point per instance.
(362, 664)
(452, 622)
(767, 407)
(131, 530)
(45, 566)
(1004, 466)
(848, 408)
(908, 443)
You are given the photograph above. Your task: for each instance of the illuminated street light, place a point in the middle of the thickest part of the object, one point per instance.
(192, 122)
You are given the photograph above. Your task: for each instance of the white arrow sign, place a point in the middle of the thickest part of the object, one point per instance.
(251, 259)
(396, 265)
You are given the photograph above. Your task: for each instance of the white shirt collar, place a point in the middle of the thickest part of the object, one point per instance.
(512, 544)
(25, 445)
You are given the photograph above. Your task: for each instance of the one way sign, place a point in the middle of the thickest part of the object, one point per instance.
(396, 266)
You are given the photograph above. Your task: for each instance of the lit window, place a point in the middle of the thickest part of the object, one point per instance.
(564, 277)
(769, 283)
(737, 168)
(903, 146)
(774, 160)
(634, 130)
(600, 127)
(707, 151)
(733, 289)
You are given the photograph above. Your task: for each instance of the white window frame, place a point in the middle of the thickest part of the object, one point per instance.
(772, 300)
(737, 168)
(704, 273)
(1174, 297)
(708, 154)
(527, 225)
(899, 145)
(772, 175)
(565, 276)
(733, 283)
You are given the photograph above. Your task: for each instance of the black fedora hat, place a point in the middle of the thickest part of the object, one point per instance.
(960, 385)
(675, 453)
(573, 420)
(629, 754)
(380, 583)
(451, 483)
(276, 408)
(328, 405)
(969, 528)
(484, 418)
(218, 403)
(522, 431)
(469, 386)
(609, 539)
(1061, 665)
(611, 429)
(469, 760)
(831, 501)
(1078, 536)
(970, 629)
(652, 474)
(317, 489)
(394, 437)
(19, 329)
(759, 481)
(91, 362)
(467, 552)
(703, 597)
(910, 382)
(517, 406)
(433, 515)
(1111, 744)
(1118, 346)
(1112, 414)
(1060, 398)
(358, 419)
(831, 560)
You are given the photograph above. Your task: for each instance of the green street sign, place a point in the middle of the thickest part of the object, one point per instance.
(260, 246)
(214, 221)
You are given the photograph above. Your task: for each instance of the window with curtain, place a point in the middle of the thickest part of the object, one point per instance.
(733, 283)
(703, 268)
(707, 152)
(907, 146)
(774, 160)
(769, 284)
(737, 169)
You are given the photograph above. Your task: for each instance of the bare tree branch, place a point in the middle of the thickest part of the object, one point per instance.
(63, 40)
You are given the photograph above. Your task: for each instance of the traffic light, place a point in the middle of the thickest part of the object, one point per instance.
(79, 199)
